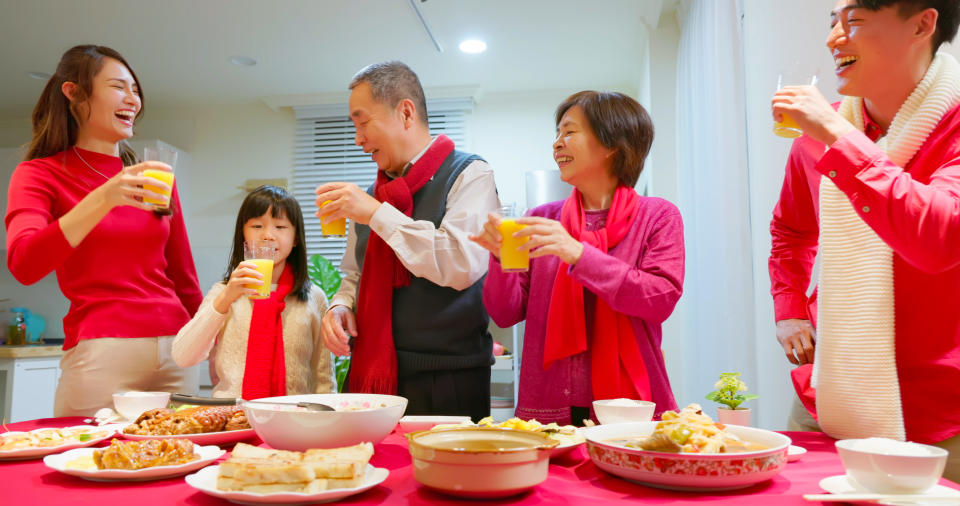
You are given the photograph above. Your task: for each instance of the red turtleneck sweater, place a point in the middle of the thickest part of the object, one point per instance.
(132, 276)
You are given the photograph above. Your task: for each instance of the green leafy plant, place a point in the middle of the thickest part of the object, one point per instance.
(728, 390)
(323, 274)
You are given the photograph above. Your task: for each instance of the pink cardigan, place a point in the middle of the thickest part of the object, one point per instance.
(641, 277)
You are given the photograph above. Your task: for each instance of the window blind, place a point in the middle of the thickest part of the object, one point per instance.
(324, 151)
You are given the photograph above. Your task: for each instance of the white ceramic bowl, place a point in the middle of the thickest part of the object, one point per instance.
(132, 404)
(480, 462)
(416, 423)
(359, 418)
(686, 471)
(887, 471)
(608, 410)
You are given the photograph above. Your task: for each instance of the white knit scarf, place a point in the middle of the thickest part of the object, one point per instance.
(855, 371)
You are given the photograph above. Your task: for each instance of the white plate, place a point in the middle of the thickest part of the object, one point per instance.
(205, 481)
(35, 452)
(206, 455)
(206, 438)
(794, 453)
(840, 485)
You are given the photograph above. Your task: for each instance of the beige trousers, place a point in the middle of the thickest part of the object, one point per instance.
(801, 420)
(93, 370)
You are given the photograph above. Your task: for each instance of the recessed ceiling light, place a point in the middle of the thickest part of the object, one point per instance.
(243, 61)
(40, 76)
(473, 46)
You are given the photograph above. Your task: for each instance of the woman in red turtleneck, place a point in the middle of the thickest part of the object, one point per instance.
(75, 206)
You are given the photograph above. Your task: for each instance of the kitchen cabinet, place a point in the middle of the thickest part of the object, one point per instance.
(28, 381)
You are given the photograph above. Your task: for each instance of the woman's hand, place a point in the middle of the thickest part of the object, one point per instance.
(245, 274)
(126, 188)
(548, 237)
(489, 238)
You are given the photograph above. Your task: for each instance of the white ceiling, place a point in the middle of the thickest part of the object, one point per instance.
(180, 48)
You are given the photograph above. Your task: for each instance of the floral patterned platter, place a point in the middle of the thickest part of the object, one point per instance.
(686, 471)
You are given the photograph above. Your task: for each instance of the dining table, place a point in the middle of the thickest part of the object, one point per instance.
(573, 479)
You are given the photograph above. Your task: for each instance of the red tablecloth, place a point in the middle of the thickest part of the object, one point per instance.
(573, 480)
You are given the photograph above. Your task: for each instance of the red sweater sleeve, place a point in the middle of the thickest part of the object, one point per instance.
(794, 232)
(180, 266)
(919, 221)
(35, 244)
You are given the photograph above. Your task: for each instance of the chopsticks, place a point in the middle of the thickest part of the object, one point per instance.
(946, 499)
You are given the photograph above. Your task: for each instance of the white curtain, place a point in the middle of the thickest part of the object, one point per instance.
(713, 186)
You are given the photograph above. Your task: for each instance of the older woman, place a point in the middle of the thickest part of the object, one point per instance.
(606, 269)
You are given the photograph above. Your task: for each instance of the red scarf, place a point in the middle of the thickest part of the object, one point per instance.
(616, 363)
(373, 367)
(265, 373)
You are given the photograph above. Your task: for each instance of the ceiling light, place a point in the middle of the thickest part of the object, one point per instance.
(243, 61)
(40, 76)
(473, 46)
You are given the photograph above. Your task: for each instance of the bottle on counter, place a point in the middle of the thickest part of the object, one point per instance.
(17, 330)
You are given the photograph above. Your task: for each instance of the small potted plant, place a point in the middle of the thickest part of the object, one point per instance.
(728, 394)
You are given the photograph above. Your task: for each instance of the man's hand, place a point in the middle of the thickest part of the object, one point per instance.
(815, 116)
(336, 324)
(347, 200)
(798, 340)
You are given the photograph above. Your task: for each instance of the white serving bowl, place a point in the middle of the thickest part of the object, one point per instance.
(359, 418)
(416, 423)
(608, 411)
(686, 471)
(132, 404)
(891, 470)
(480, 462)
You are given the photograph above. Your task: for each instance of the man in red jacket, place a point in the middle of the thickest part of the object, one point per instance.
(874, 187)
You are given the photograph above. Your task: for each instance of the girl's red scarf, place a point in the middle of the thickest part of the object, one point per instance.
(373, 367)
(265, 373)
(617, 366)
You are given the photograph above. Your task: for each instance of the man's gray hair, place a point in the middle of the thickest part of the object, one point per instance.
(392, 81)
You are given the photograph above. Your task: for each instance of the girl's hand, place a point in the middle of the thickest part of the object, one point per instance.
(126, 188)
(548, 237)
(245, 274)
(489, 238)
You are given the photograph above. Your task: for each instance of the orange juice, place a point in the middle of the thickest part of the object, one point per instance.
(336, 227)
(512, 260)
(159, 175)
(265, 267)
(787, 128)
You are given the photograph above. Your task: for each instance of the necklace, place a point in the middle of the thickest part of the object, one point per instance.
(88, 165)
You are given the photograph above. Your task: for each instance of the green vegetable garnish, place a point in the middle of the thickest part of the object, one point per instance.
(680, 435)
(84, 437)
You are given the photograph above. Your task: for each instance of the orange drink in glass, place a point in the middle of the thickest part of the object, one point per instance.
(336, 227)
(261, 254)
(512, 259)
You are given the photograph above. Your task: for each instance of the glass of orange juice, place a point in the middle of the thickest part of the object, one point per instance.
(168, 156)
(335, 227)
(512, 259)
(261, 254)
(787, 127)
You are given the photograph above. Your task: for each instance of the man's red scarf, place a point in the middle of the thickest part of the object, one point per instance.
(265, 372)
(373, 367)
(617, 366)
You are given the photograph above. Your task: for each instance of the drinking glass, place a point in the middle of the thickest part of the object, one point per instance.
(512, 259)
(261, 254)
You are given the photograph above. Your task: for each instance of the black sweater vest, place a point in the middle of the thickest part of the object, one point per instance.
(436, 327)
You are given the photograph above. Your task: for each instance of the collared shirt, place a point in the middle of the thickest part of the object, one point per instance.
(916, 211)
(445, 255)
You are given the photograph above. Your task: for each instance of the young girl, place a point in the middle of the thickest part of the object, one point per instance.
(266, 347)
(76, 206)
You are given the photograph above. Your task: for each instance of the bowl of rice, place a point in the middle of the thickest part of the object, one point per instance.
(887, 466)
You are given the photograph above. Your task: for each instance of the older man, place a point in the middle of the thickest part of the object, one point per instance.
(875, 185)
(413, 278)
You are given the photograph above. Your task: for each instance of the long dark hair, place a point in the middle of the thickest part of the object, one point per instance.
(55, 123)
(279, 203)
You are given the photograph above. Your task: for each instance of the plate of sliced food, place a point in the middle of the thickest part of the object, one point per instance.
(134, 460)
(255, 475)
(204, 425)
(15, 445)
